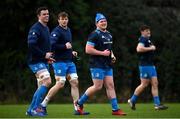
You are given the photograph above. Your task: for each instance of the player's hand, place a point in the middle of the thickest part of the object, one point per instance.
(75, 54)
(106, 52)
(48, 55)
(51, 60)
(113, 59)
(153, 47)
(68, 45)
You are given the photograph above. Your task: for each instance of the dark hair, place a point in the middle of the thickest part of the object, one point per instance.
(62, 14)
(144, 27)
(38, 11)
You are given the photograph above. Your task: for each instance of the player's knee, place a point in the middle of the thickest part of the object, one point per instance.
(60, 81)
(43, 74)
(74, 83)
(72, 77)
(110, 86)
(48, 82)
(44, 78)
(59, 85)
(155, 83)
(143, 85)
(98, 87)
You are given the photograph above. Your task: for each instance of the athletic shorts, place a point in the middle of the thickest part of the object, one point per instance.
(99, 73)
(64, 68)
(38, 66)
(147, 72)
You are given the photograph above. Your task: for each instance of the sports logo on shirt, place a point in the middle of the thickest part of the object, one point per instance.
(33, 33)
(54, 35)
(149, 41)
(108, 40)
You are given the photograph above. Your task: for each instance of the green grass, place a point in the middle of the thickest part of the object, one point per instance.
(96, 110)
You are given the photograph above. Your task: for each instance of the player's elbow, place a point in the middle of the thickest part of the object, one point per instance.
(88, 50)
(139, 49)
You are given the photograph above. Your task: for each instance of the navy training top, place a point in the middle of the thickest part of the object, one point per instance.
(146, 58)
(101, 41)
(38, 43)
(59, 37)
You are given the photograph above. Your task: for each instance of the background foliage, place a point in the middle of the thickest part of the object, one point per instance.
(17, 83)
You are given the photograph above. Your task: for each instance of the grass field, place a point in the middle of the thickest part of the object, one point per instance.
(96, 110)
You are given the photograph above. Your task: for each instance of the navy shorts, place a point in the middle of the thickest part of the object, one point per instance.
(98, 73)
(64, 68)
(147, 72)
(38, 66)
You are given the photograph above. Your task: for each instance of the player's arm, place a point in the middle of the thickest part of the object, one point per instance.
(57, 46)
(32, 44)
(141, 48)
(90, 46)
(92, 51)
